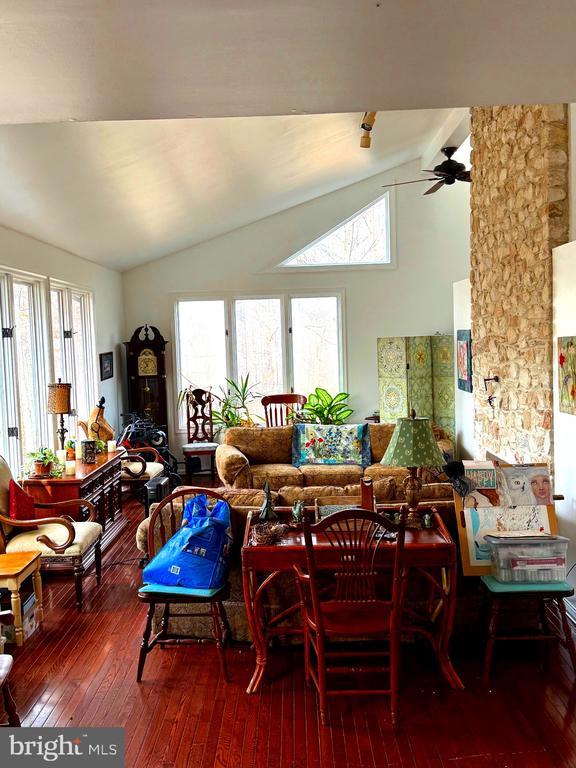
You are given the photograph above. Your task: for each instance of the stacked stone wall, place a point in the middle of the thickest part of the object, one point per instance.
(519, 213)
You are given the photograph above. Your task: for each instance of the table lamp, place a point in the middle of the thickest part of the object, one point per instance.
(59, 404)
(412, 446)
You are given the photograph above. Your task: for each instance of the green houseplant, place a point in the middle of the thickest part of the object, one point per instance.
(43, 460)
(234, 410)
(322, 408)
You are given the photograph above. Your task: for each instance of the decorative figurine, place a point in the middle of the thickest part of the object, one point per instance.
(297, 511)
(267, 514)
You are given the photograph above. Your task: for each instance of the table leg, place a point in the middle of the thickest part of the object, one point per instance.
(17, 611)
(448, 613)
(37, 578)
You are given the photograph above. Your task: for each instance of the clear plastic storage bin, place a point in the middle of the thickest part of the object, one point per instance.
(528, 559)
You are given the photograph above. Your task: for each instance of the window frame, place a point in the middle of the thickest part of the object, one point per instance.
(390, 194)
(229, 298)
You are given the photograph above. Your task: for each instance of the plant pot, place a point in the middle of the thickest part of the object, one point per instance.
(71, 454)
(42, 469)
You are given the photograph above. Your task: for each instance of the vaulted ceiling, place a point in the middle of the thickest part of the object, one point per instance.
(123, 193)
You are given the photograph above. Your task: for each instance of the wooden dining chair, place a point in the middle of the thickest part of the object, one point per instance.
(277, 408)
(6, 617)
(165, 520)
(200, 429)
(362, 601)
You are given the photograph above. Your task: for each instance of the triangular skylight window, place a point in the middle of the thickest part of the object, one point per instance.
(362, 239)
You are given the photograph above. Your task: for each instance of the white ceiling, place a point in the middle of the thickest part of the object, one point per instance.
(123, 193)
(149, 59)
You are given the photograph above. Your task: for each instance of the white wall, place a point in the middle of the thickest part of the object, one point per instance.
(465, 444)
(26, 253)
(432, 248)
(564, 293)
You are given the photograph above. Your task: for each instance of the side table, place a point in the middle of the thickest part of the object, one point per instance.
(15, 567)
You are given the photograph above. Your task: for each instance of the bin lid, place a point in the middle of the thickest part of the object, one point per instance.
(521, 539)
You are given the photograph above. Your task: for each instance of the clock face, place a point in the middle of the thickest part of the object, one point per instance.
(147, 363)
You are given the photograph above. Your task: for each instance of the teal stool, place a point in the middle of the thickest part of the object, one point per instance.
(500, 595)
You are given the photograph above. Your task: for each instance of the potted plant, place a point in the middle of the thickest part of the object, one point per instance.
(43, 460)
(322, 408)
(70, 446)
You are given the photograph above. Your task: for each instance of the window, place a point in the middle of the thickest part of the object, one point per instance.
(364, 239)
(284, 343)
(73, 347)
(201, 348)
(316, 343)
(47, 333)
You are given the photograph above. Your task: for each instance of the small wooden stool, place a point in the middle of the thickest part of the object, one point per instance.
(15, 567)
(501, 594)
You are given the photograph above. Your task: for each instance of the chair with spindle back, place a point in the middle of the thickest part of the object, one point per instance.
(277, 408)
(165, 520)
(200, 428)
(357, 604)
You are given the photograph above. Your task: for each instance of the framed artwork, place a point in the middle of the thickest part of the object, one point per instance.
(567, 373)
(520, 504)
(106, 365)
(464, 360)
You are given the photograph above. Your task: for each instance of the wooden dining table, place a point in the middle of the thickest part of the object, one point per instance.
(430, 555)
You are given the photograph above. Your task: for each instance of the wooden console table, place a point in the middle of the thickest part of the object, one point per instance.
(99, 483)
(429, 554)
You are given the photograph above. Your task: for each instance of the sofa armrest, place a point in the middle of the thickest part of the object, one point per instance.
(233, 467)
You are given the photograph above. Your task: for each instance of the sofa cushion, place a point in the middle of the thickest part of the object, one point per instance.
(289, 494)
(380, 435)
(86, 533)
(384, 490)
(276, 474)
(330, 444)
(272, 445)
(381, 472)
(331, 474)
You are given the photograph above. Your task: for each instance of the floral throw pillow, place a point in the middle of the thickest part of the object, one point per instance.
(331, 444)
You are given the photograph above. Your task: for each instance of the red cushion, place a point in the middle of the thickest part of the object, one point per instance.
(21, 503)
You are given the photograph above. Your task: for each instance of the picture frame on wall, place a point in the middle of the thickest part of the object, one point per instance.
(567, 374)
(106, 365)
(464, 359)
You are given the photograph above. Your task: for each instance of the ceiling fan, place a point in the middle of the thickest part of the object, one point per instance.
(448, 172)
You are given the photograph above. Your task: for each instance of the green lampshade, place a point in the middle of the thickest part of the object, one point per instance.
(413, 445)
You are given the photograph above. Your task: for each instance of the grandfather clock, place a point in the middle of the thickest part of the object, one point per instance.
(146, 363)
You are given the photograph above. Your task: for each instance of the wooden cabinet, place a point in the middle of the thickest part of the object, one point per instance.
(99, 483)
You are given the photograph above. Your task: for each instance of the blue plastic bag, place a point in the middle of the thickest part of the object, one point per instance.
(196, 556)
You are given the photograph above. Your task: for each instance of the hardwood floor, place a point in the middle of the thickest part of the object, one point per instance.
(80, 670)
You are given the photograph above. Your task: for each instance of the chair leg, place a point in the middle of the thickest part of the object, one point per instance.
(144, 643)
(217, 629)
(224, 620)
(492, 624)
(165, 621)
(78, 574)
(307, 677)
(394, 675)
(10, 706)
(98, 561)
(568, 636)
(322, 682)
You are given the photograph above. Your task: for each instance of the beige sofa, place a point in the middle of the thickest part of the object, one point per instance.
(249, 456)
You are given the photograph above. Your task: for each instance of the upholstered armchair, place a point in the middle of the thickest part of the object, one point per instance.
(64, 543)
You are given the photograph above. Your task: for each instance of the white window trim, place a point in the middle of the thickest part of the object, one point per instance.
(284, 268)
(229, 297)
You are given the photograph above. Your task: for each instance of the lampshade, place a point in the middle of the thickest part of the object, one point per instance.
(413, 445)
(59, 398)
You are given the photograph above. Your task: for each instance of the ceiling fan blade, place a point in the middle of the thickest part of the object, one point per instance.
(464, 176)
(401, 183)
(438, 172)
(435, 188)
